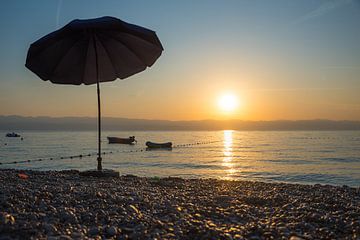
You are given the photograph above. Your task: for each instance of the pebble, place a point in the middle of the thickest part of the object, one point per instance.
(64, 237)
(6, 218)
(296, 238)
(94, 231)
(77, 235)
(111, 231)
(50, 229)
(68, 217)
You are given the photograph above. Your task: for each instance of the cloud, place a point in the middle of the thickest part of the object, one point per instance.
(323, 9)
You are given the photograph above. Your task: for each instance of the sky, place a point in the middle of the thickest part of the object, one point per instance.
(282, 60)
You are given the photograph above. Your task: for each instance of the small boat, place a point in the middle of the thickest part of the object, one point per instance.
(129, 140)
(158, 145)
(12, 135)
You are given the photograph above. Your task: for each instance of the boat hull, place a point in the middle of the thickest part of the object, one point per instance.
(158, 145)
(12, 135)
(121, 140)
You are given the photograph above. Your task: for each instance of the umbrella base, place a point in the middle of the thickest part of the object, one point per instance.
(105, 173)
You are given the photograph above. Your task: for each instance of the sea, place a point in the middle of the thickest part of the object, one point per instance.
(305, 157)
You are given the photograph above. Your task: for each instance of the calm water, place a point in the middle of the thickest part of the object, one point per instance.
(297, 157)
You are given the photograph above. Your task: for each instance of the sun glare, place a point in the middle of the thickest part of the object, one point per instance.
(228, 102)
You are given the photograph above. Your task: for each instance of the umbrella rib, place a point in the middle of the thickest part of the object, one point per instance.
(56, 41)
(84, 66)
(63, 56)
(131, 50)
(112, 64)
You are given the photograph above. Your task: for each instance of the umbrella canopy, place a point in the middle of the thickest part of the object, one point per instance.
(92, 51)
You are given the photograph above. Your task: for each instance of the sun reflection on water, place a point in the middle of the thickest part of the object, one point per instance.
(228, 153)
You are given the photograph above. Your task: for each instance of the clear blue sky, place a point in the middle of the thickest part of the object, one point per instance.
(284, 59)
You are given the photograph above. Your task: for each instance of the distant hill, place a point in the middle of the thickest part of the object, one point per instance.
(15, 123)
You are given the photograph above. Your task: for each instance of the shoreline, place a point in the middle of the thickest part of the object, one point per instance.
(65, 205)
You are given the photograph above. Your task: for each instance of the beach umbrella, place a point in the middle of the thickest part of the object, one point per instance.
(92, 51)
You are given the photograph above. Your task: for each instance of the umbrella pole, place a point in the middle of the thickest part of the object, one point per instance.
(99, 159)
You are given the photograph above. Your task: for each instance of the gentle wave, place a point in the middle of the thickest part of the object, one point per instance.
(341, 160)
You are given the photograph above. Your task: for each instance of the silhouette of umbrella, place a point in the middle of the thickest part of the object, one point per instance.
(93, 51)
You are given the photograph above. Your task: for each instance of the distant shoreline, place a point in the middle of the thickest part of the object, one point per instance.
(19, 123)
(185, 130)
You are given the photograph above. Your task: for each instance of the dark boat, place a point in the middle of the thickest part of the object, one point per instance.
(158, 145)
(129, 140)
(12, 135)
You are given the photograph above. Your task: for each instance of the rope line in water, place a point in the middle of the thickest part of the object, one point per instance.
(103, 153)
(329, 138)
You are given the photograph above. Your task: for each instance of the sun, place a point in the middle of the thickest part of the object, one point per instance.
(228, 102)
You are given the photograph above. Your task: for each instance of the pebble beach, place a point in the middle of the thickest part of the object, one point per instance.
(65, 205)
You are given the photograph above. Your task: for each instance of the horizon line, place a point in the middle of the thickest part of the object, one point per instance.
(192, 120)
